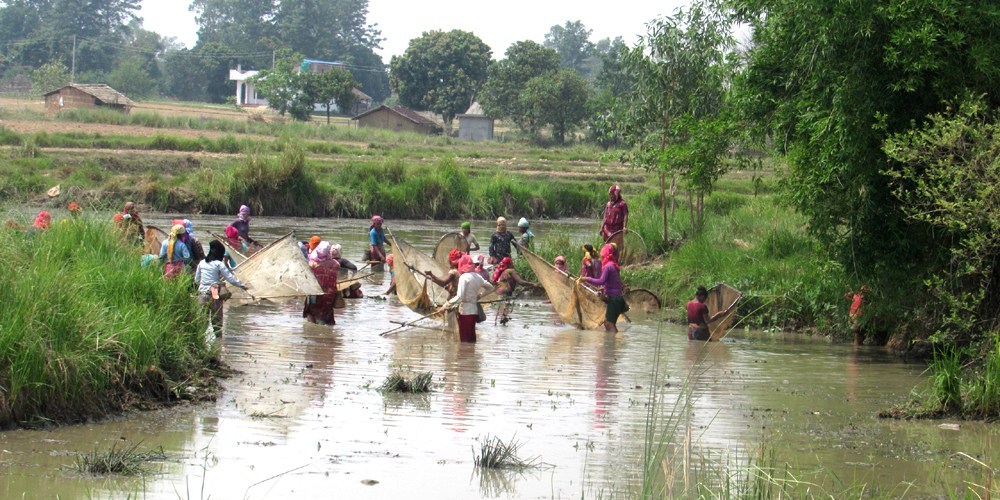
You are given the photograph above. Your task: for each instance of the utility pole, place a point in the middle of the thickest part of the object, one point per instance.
(72, 67)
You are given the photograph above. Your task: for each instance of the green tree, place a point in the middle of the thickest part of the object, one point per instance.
(558, 99)
(506, 81)
(39, 32)
(572, 42)
(440, 72)
(830, 81)
(284, 86)
(681, 75)
(333, 86)
(132, 79)
(49, 77)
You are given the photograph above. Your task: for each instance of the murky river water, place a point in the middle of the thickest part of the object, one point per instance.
(302, 418)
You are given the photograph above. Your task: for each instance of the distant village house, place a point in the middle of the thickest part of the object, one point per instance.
(89, 95)
(246, 95)
(397, 118)
(474, 125)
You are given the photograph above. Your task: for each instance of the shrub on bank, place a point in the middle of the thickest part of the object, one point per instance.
(84, 330)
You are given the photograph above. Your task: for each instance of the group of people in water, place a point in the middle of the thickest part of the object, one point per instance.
(467, 279)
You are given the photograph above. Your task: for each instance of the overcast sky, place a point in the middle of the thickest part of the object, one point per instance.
(499, 24)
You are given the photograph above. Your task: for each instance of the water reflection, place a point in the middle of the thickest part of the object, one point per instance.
(300, 416)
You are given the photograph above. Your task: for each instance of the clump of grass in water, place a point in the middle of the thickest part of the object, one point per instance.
(495, 453)
(127, 461)
(400, 382)
(946, 380)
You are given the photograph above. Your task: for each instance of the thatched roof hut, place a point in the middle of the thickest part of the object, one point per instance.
(87, 95)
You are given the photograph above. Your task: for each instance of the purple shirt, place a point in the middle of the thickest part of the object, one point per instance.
(610, 279)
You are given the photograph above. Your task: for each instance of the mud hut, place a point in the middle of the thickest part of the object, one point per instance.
(80, 95)
(398, 118)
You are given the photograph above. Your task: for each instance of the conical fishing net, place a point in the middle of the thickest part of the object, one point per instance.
(446, 244)
(720, 297)
(642, 301)
(631, 247)
(278, 271)
(154, 240)
(576, 304)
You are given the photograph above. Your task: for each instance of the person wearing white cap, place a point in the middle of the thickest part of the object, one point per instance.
(526, 235)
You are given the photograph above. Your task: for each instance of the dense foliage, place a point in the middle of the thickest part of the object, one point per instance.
(830, 82)
(441, 71)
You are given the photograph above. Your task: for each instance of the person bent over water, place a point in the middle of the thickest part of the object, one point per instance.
(697, 315)
(611, 282)
(507, 279)
(319, 308)
(209, 276)
(470, 286)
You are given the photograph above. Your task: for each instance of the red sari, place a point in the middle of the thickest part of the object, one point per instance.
(319, 308)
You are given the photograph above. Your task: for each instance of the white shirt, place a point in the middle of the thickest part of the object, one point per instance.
(469, 285)
(210, 273)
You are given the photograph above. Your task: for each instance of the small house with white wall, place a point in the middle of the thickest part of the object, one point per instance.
(246, 95)
(474, 125)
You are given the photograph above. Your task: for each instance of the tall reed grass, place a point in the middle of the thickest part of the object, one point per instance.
(84, 329)
(756, 245)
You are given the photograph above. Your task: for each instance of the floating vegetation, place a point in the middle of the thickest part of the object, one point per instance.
(127, 461)
(495, 453)
(400, 382)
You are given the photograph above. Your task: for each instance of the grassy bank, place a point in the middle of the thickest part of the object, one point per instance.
(290, 182)
(85, 331)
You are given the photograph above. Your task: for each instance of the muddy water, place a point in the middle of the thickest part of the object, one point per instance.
(301, 418)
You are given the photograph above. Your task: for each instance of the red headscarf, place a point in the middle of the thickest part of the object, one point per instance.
(42, 221)
(501, 267)
(609, 253)
(314, 242)
(616, 191)
(454, 255)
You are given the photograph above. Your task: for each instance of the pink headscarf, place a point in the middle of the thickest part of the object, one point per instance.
(233, 235)
(244, 214)
(465, 264)
(609, 253)
(375, 220)
(320, 257)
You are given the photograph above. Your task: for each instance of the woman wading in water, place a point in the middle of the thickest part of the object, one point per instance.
(611, 282)
(209, 276)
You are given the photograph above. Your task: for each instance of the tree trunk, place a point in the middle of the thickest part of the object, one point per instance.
(701, 209)
(692, 210)
(663, 206)
(327, 113)
(673, 194)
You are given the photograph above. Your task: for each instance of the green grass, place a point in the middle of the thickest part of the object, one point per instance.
(754, 244)
(495, 453)
(126, 460)
(403, 382)
(84, 330)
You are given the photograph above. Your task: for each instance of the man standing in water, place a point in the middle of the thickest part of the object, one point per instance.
(469, 237)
